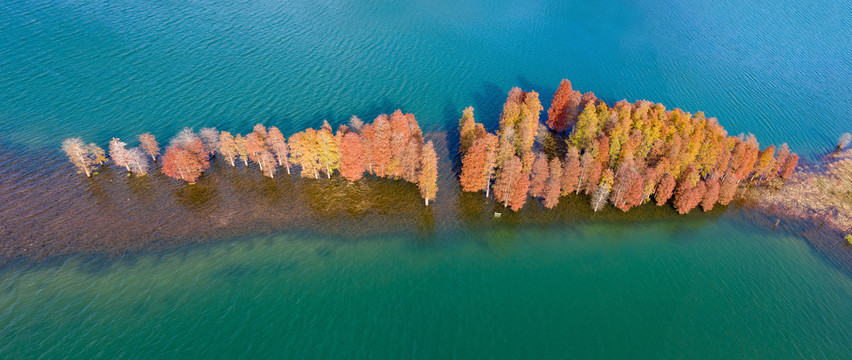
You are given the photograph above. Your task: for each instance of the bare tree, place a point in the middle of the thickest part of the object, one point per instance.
(85, 157)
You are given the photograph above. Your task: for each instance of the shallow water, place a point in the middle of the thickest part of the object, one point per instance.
(701, 287)
(669, 290)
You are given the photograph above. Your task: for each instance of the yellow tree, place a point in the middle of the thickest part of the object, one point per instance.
(428, 179)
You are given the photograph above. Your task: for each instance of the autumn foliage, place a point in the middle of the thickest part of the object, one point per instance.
(626, 154)
(185, 158)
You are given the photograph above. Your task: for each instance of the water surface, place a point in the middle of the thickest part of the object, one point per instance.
(700, 287)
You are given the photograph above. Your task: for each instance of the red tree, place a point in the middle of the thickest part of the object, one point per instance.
(688, 197)
(149, 144)
(473, 167)
(570, 172)
(352, 163)
(594, 177)
(520, 191)
(711, 196)
(727, 189)
(789, 166)
(507, 179)
(557, 115)
(554, 186)
(180, 163)
(540, 174)
(665, 189)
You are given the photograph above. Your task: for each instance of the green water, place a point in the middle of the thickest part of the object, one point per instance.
(664, 291)
(705, 287)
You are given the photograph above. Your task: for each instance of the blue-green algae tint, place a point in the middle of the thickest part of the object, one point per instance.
(705, 290)
(706, 287)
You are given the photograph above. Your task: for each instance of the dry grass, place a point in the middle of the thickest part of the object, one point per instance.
(822, 194)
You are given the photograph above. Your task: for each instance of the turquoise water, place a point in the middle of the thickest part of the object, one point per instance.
(705, 288)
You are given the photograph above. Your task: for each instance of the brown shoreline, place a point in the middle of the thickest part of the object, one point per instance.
(49, 212)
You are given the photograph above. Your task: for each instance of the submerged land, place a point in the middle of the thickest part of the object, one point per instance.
(632, 162)
(114, 214)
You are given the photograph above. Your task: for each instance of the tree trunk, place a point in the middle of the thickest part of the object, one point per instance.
(427, 202)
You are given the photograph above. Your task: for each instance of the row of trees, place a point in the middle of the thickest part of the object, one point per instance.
(622, 155)
(390, 147)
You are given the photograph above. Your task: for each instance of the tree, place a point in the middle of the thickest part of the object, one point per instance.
(540, 174)
(190, 141)
(149, 144)
(381, 151)
(473, 167)
(368, 135)
(665, 189)
(134, 160)
(256, 144)
(519, 193)
(242, 150)
(586, 129)
(553, 188)
(356, 123)
(557, 115)
(625, 175)
(210, 139)
(789, 166)
(352, 164)
(467, 130)
(491, 148)
(228, 147)
(185, 157)
(601, 194)
(765, 163)
(595, 173)
(844, 141)
(183, 164)
(727, 190)
(84, 157)
(506, 146)
(428, 179)
(586, 162)
(138, 161)
(506, 180)
(688, 194)
(278, 145)
(410, 162)
(267, 163)
(711, 196)
(571, 171)
(304, 152)
(528, 123)
(328, 150)
(119, 154)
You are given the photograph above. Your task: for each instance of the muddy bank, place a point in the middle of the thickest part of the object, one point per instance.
(47, 210)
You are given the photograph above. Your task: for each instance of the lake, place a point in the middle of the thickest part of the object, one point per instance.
(712, 286)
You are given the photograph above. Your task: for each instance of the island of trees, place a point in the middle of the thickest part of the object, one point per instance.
(626, 154)
(623, 154)
(390, 147)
